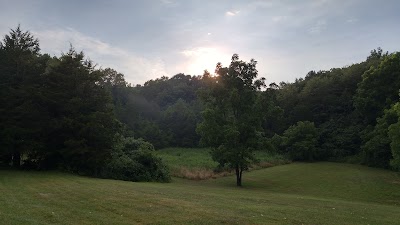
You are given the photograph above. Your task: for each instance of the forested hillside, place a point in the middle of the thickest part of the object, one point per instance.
(65, 113)
(327, 115)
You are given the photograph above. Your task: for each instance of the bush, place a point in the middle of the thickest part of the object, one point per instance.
(134, 160)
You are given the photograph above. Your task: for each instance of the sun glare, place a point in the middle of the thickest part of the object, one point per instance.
(205, 58)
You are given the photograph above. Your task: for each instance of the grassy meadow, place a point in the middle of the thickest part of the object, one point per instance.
(297, 193)
(197, 164)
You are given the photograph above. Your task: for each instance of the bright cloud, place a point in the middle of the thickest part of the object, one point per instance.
(232, 13)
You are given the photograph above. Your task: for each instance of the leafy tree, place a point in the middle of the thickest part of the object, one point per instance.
(231, 117)
(376, 148)
(379, 89)
(300, 141)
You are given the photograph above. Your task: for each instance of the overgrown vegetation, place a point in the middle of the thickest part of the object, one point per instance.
(197, 163)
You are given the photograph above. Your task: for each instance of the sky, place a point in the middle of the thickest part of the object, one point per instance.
(148, 39)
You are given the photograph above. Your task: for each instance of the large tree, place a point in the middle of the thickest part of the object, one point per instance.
(231, 117)
(20, 110)
(80, 134)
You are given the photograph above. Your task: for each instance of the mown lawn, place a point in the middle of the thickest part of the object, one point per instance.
(298, 193)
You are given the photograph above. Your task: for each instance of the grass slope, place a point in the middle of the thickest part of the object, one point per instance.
(317, 193)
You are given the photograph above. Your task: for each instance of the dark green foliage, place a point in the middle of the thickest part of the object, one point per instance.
(273, 116)
(179, 121)
(329, 99)
(135, 160)
(21, 111)
(394, 135)
(375, 96)
(58, 113)
(300, 141)
(81, 129)
(379, 89)
(163, 111)
(377, 142)
(231, 117)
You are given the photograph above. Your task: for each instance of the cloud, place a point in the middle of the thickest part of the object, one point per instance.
(232, 13)
(166, 1)
(277, 19)
(198, 51)
(352, 20)
(318, 27)
(260, 4)
(136, 69)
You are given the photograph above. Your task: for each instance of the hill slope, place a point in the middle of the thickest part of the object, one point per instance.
(318, 193)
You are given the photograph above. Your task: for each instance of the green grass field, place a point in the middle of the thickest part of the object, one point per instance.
(197, 164)
(298, 193)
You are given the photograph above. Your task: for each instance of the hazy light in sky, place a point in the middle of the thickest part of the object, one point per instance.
(204, 58)
(149, 39)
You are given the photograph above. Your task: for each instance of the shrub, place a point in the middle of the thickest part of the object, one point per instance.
(134, 160)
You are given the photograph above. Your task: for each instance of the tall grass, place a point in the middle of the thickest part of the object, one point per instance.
(197, 164)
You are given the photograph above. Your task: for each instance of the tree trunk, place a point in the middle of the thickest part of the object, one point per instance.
(238, 176)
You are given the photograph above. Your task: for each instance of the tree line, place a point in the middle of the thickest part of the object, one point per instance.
(58, 113)
(343, 114)
(63, 112)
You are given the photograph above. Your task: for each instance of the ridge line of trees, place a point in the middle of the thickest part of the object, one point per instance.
(64, 113)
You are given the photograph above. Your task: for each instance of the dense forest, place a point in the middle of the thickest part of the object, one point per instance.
(64, 113)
